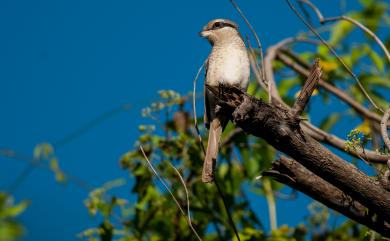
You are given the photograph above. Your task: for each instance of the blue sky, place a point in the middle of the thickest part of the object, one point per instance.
(63, 63)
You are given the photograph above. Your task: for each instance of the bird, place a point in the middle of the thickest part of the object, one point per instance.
(227, 64)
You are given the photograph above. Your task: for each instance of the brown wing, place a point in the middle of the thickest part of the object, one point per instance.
(206, 94)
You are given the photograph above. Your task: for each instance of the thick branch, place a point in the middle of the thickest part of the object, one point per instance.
(325, 137)
(293, 174)
(316, 133)
(340, 144)
(279, 128)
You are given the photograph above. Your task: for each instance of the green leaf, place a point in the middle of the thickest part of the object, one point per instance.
(114, 183)
(286, 85)
(60, 176)
(14, 210)
(377, 60)
(340, 31)
(54, 164)
(371, 81)
(366, 3)
(223, 170)
(252, 88)
(323, 50)
(43, 151)
(10, 231)
(358, 52)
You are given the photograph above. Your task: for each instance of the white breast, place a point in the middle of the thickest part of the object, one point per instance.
(228, 65)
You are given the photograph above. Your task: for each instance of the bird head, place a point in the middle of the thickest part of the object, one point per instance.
(219, 30)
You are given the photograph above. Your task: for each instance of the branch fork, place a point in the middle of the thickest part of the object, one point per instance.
(278, 127)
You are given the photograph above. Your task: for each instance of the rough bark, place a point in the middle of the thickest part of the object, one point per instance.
(282, 130)
(293, 174)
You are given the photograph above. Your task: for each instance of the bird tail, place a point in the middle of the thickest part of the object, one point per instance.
(212, 151)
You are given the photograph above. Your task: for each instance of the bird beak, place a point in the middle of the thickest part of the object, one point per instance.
(204, 33)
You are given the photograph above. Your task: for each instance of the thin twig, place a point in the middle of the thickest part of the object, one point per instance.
(315, 9)
(89, 125)
(365, 29)
(325, 137)
(351, 20)
(300, 66)
(33, 162)
(308, 25)
(305, 12)
(225, 204)
(271, 203)
(292, 196)
(270, 56)
(66, 140)
(21, 177)
(256, 68)
(254, 34)
(168, 190)
(256, 71)
(188, 199)
(194, 107)
(384, 133)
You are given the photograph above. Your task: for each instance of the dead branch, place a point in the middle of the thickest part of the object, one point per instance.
(384, 133)
(269, 58)
(293, 174)
(280, 129)
(257, 70)
(330, 139)
(301, 67)
(307, 89)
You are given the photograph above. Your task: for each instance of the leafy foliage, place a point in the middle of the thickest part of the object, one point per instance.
(170, 139)
(10, 228)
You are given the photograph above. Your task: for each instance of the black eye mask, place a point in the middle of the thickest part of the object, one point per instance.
(219, 25)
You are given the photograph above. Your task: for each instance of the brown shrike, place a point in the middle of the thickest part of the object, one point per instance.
(227, 64)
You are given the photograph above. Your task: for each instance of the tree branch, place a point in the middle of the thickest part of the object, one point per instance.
(351, 20)
(293, 174)
(385, 136)
(301, 67)
(325, 137)
(331, 49)
(307, 89)
(280, 129)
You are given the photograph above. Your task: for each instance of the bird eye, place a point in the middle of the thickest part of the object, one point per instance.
(217, 25)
